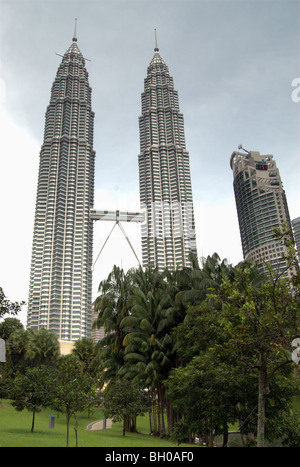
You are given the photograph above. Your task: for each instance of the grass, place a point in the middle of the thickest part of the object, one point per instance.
(15, 431)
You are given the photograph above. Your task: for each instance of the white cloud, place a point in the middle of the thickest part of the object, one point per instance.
(217, 230)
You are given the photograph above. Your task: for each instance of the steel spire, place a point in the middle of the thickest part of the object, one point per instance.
(75, 31)
(156, 49)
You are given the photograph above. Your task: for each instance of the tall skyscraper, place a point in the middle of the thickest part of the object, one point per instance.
(60, 291)
(168, 233)
(261, 205)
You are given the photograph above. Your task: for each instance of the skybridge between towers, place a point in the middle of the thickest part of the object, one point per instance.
(117, 217)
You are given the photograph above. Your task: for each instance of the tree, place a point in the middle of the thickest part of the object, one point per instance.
(15, 352)
(43, 346)
(85, 350)
(87, 354)
(28, 348)
(200, 279)
(8, 326)
(209, 377)
(124, 402)
(205, 393)
(148, 343)
(251, 318)
(32, 390)
(112, 307)
(263, 316)
(136, 312)
(73, 390)
(8, 307)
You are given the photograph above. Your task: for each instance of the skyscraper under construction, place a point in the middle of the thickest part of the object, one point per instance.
(168, 233)
(60, 291)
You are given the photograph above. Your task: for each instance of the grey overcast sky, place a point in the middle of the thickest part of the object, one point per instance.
(233, 64)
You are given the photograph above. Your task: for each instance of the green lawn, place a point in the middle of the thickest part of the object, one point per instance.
(15, 431)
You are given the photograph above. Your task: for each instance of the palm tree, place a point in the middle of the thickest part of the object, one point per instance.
(199, 279)
(43, 346)
(149, 353)
(112, 307)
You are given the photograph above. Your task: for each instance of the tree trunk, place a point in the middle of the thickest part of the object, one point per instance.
(154, 413)
(170, 415)
(263, 390)
(225, 436)
(150, 417)
(130, 424)
(76, 429)
(133, 425)
(161, 409)
(68, 427)
(211, 439)
(33, 420)
(158, 414)
(126, 423)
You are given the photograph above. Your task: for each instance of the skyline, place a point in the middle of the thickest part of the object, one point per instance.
(233, 63)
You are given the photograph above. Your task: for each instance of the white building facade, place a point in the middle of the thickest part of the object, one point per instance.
(261, 206)
(168, 233)
(60, 291)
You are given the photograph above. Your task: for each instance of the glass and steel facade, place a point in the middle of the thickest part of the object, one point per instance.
(60, 292)
(261, 206)
(168, 233)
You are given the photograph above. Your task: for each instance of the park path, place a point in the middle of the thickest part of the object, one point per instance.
(99, 424)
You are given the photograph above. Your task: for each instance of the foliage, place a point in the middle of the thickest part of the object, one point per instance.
(290, 430)
(73, 390)
(86, 352)
(42, 346)
(249, 320)
(210, 379)
(32, 390)
(263, 317)
(8, 326)
(149, 352)
(15, 353)
(112, 307)
(8, 307)
(28, 348)
(213, 337)
(124, 402)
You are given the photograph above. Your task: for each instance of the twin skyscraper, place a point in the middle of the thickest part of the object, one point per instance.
(60, 293)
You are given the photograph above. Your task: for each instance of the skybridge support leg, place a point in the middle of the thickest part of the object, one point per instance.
(127, 216)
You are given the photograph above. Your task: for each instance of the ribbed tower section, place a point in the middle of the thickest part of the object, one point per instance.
(261, 206)
(60, 291)
(168, 233)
